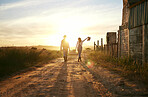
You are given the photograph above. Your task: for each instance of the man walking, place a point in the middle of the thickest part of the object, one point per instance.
(64, 47)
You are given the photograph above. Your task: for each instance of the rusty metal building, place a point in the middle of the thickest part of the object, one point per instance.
(133, 33)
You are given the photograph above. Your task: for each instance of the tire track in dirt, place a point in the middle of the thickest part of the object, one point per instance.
(81, 82)
(18, 85)
(115, 84)
(62, 79)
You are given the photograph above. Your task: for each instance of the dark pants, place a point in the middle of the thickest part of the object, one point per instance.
(79, 51)
(65, 53)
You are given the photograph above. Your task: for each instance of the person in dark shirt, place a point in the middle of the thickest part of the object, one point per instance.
(64, 47)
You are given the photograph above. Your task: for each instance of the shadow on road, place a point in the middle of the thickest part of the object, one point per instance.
(119, 88)
(59, 89)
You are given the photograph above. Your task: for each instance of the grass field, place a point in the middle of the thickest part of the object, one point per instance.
(14, 59)
(125, 66)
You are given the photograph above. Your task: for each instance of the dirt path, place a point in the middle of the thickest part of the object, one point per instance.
(59, 79)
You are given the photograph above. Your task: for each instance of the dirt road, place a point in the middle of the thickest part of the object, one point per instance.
(70, 79)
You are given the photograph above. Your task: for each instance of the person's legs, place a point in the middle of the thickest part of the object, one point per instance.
(79, 53)
(65, 55)
(79, 56)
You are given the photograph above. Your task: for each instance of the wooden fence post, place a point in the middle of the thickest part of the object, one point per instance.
(94, 46)
(101, 43)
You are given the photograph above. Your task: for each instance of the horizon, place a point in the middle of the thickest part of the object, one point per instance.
(35, 22)
(47, 47)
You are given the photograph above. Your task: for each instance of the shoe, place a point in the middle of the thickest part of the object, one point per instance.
(80, 59)
(64, 59)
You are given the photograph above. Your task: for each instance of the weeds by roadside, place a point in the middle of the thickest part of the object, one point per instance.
(14, 59)
(126, 66)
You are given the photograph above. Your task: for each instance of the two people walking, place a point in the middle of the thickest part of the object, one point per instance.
(65, 47)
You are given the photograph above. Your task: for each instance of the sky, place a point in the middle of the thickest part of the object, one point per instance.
(45, 22)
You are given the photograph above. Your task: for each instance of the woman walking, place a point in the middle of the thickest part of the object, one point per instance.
(79, 46)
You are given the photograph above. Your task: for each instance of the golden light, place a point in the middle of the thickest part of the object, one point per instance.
(71, 24)
(55, 39)
(71, 38)
(72, 27)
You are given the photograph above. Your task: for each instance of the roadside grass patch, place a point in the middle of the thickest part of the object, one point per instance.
(125, 66)
(13, 59)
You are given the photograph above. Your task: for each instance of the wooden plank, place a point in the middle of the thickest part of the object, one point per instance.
(137, 3)
(143, 44)
(138, 15)
(146, 12)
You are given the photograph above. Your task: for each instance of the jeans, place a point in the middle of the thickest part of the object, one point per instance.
(79, 51)
(65, 52)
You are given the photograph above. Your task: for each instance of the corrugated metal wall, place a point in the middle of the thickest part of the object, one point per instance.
(138, 32)
(146, 11)
(138, 15)
(146, 43)
(135, 43)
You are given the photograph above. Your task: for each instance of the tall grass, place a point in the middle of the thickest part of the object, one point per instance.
(15, 59)
(126, 66)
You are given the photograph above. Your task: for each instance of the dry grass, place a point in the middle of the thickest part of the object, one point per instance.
(125, 66)
(13, 59)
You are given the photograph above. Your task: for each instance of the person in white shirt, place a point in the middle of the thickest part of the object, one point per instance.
(64, 47)
(79, 47)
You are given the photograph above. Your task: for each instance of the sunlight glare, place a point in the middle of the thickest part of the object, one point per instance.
(72, 27)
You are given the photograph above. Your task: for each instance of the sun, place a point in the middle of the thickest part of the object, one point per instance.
(71, 27)
(71, 38)
(56, 39)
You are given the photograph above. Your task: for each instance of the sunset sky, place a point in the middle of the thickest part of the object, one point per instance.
(44, 22)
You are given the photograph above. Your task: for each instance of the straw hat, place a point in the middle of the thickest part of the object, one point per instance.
(88, 38)
(64, 36)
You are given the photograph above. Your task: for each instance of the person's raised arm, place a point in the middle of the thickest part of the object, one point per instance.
(84, 39)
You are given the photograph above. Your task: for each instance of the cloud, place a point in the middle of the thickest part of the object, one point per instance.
(47, 3)
(23, 3)
(36, 19)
